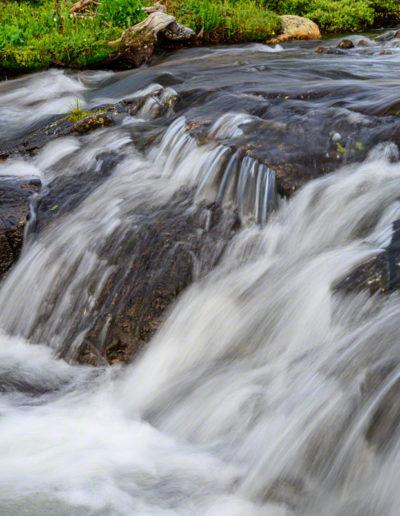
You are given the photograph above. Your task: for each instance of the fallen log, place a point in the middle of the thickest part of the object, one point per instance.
(157, 23)
(136, 44)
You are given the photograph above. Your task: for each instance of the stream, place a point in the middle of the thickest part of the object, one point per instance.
(191, 251)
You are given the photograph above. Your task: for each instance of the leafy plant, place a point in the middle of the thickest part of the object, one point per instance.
(77, 113)
(34, 34)
(226, 20)
(340, 15)
(122, 13)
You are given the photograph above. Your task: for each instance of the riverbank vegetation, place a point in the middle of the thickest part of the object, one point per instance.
(230, 21)
(38, 33)
(341, 15)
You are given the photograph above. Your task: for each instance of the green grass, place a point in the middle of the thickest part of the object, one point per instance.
(226, 20)
(33, 35)
(341, 15)
(77, 113)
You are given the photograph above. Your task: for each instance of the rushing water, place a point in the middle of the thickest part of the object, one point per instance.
(255, 396)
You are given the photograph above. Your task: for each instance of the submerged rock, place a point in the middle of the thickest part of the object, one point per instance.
(387, 36)
(346, 44)
(380, 273)
(296, 27)
(288, 491)
(99, 117)
(174, 246)
(326, 50)
(61, 126)
(374, 275)
(15, 196)
(385, 420)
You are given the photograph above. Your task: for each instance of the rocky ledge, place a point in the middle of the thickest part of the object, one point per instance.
(15, 194)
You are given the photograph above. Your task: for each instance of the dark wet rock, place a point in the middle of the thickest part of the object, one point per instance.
(326, 440)
(295, 151)
(14, 212)
(320, 50)
(362, 43)
(61, 126)
(397, 35)
(385, 420)
(36, 140)
(380, 273)
(10, 382)
(172, 248)
(288, 491)
(387, 36)
(374, 275)
(381, 387)
(339, 50)
(336, 51)
(385, 53)
(327, 50)
(99, 117)
(92, 122)
(375, 378)
(346, 44)
(66, 192)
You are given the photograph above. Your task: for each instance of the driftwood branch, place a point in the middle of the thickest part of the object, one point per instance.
(82, 5)
(157, 23)
(156, 7)
(136, 44)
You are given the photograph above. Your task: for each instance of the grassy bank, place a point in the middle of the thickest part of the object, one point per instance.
(341, 15)
(252, 20)
(227, 21)
(35, 34)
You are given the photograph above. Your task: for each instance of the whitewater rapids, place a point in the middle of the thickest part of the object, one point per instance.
(254, 397)
(247, 397)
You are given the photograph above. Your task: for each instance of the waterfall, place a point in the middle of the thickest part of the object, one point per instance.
(230, 375)
(85, 244)
(242, 403)
(221, 175)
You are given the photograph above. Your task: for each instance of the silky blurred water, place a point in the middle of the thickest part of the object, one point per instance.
(250, 399)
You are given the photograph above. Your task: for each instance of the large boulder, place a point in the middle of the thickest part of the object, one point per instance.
(296, 27)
